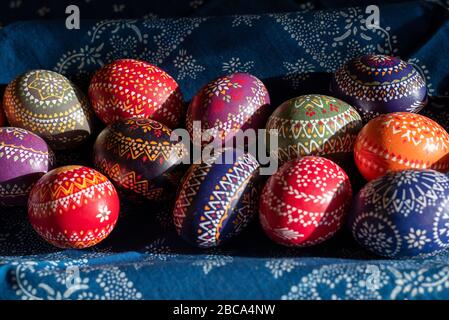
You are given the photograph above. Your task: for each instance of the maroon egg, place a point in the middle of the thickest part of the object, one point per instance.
(227, 104)
(140, 159)
(24, 158)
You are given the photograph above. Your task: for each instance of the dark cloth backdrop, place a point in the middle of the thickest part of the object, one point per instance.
(293, 46)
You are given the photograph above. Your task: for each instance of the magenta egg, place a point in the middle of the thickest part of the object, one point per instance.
(24, 158)
(228, 104)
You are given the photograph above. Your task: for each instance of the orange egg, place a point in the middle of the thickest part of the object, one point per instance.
(400, 141)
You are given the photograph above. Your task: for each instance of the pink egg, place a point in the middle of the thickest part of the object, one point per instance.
(227, 104)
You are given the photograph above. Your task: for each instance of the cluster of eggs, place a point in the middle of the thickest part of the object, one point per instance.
(137, 155)
(371, 118)
(77, 206)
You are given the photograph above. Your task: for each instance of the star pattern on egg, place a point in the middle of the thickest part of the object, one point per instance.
(49, 87)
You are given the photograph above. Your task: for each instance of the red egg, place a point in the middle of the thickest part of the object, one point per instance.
(305, 202)
(130, 88)
(73, 207)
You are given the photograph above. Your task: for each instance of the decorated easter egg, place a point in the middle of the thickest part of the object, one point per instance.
(24, 158)
(403, 214)
(130, 88)
(400, 141)
(73, 207)
(227, 104)
(139, 158)
(305, 202)
(377, 84)
(48, 104)
(313, 125)
(216, 201)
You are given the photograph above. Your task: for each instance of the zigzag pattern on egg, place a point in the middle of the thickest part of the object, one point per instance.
(130, 88)
(227, 200)
(82, 186)
(313, 125)
(24, 158)
(76, 240)
(48, 104)
(140, 158)
(128, 180)
(216, 210)
(384, 91)
(73, 207)
(378, 84)
(22, 154)
(196, 175)
(137, 147)
(58, 121)
(345, 125)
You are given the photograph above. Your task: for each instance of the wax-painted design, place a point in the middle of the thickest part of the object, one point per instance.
(305, 202)
(130, 88)
(376, 84)
(313, 125)
(217, 201)
(24, 158)
(403, 214)
(48, 104)
(399, 141)
(73, 207)
(138, 156)
(227, 104)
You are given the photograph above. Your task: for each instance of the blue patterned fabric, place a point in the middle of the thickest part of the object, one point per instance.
(293, 47)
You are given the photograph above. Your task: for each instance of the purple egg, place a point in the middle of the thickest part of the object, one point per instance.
(377, 84)
(24, 158)
(227, 104)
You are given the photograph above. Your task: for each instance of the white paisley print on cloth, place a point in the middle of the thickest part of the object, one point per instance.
(298, 72)
(158, 250)
(215, 258)
(152, 40)
(246, 20)
(319, 33)
(186, 65)
(390, 280)
(424, 72)
(70, 279)
(278, 266)
(235, 64)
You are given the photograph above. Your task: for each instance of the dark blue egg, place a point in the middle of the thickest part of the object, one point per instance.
(216, 201)
(375, 84)
(403, 214)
